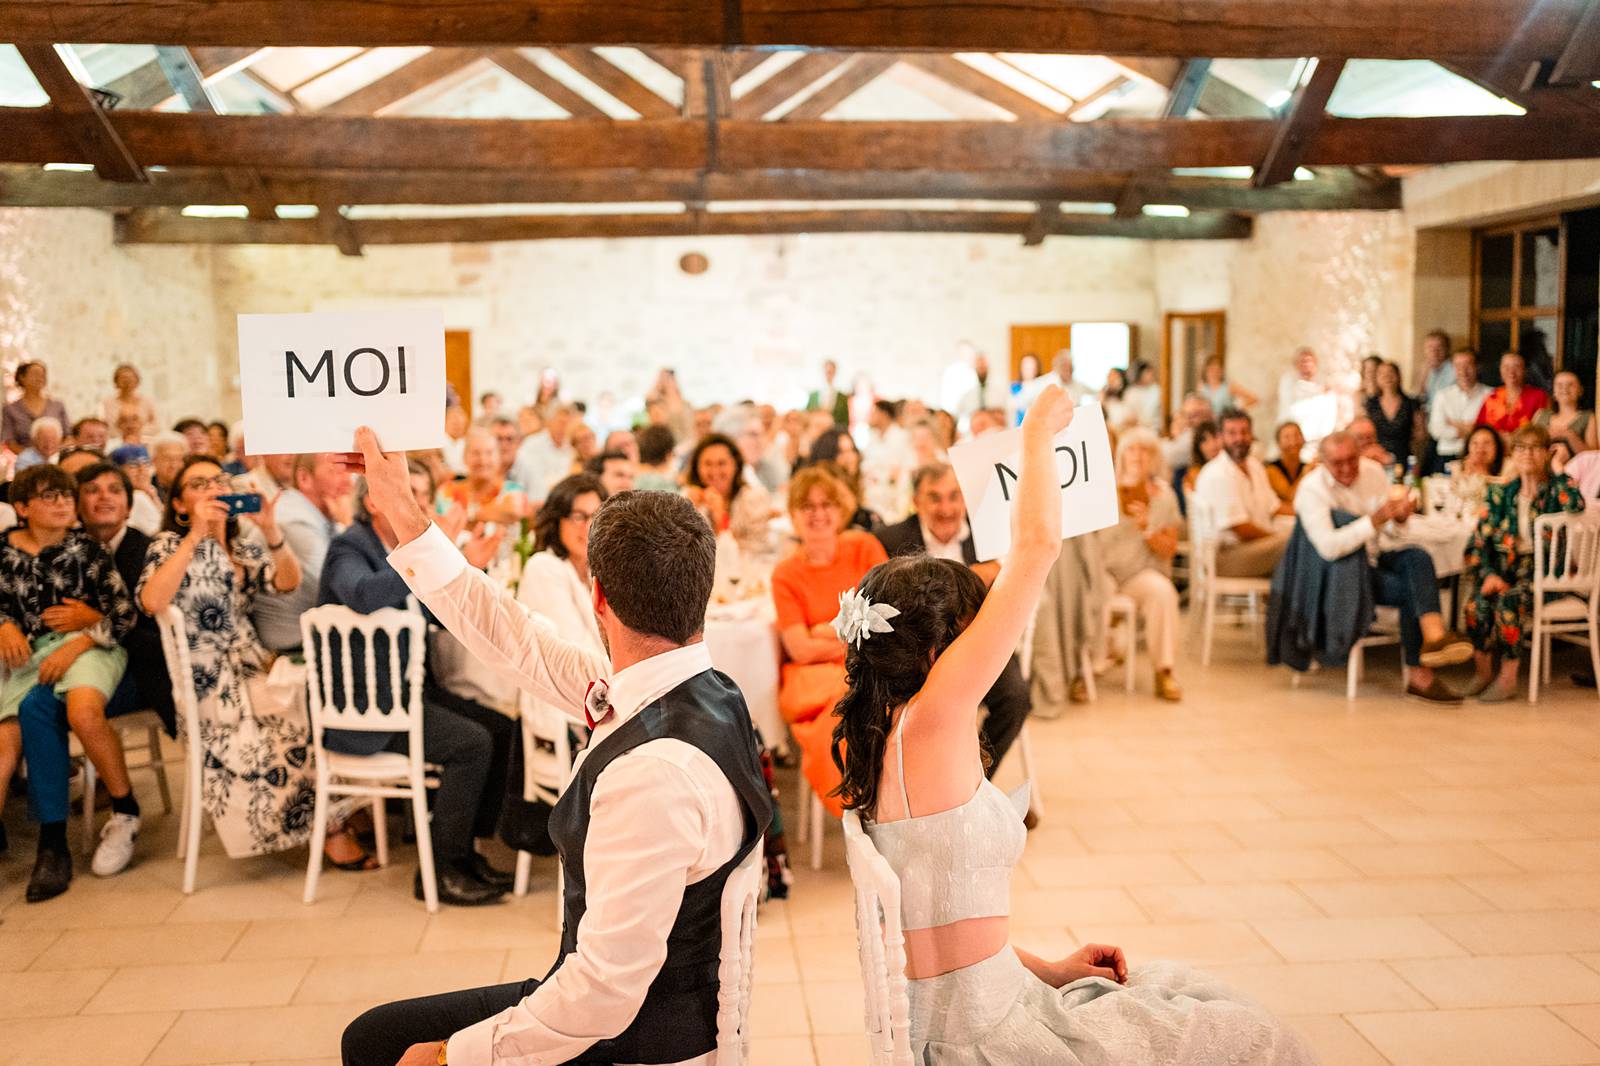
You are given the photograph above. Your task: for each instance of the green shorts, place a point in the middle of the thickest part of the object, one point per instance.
(97, 668)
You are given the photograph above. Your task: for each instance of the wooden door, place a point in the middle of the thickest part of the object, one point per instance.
(458, 365)
(1041, 342)
(1187, 340)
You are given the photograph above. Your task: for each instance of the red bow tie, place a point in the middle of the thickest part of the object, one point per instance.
(596, 707)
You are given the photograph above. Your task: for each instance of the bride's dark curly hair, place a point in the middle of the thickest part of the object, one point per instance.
(937, 599)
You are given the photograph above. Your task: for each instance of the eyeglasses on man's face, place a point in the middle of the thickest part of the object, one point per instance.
(53, 496)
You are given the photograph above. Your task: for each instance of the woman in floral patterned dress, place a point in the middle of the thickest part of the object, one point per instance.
(1500, 557)
(257, 786)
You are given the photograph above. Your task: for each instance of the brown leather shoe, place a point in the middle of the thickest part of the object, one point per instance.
(1167, 687)
(1436, 693)
(1451, 649)
(1078, 691)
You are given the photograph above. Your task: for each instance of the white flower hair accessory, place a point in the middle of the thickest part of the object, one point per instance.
(859, 618)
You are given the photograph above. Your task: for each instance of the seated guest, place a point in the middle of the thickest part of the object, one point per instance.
(266, 474)
(258, 787)
(1565, 421)
(217, 434)
(44, 444)
(458, 736)
(546, 457)
(485, 492)
(1500, 560)
(73, 460)
(1478, 468)
(1194, 413)
(1284, 472)
(1513, 404)
(145, 512)
(657, 472)
(1365, 431)
(456, 424)
(1401, 576)
(195, 435)
(805, 590)
(168, 452)
(555, 583)
(1242, 502)
(16, 418)
(624, 441)
(614, 470)
(310, 515)
(130, 430)
(127, 401)
(1454, 409)
(939, 528)
(718, 487)
(91, 433)
(836, 448)
(1584, 471)
(1396, 417)
(63, 609)
(1137, 552)
(1221, 394)
(1204, 446)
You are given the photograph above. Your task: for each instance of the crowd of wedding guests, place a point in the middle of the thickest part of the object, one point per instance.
(116, 517)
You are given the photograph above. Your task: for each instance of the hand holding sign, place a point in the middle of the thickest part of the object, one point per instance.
(989, 468)
(388, 486)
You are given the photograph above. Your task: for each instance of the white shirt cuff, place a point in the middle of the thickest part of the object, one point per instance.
(472, 1046)
(428, 563)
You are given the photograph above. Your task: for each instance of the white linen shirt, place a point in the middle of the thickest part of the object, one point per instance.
(662, 816)
(1237, 494)
(945, 549)
(1320, 494)
(1454, 404)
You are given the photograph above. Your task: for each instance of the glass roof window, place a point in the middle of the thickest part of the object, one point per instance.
(18, 87)
(1410, 88)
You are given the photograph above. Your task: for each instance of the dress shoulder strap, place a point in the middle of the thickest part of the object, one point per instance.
(900, 756)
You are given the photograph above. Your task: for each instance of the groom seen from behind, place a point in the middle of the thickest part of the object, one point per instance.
(668, 796)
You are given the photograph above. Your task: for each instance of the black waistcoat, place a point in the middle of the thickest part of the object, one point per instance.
(679, 1018)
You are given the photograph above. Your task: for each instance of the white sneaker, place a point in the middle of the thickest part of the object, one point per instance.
(115, 852)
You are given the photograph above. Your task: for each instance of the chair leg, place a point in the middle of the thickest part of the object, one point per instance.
(191, 803)
(88, 805)
(1086, 664)
(805, 812)
(1133, 651)
(1535, 661)
(185, 813)
(419, 808)
(1352, 672)
(1549, 646)
(1208, 619)
(159, 766)
(1035, 793)
(524, 873)
(319, 838)
(380, 829)
(817, 814)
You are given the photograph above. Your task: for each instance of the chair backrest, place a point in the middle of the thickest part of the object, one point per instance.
(546, 749)
(1203, 538)
(1566, 551)
(180, 671)
(334, 698)
(736, 963)
(881, 940)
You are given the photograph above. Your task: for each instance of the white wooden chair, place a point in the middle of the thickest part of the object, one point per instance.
(546, 769)
(1208, 585)
(1385, 632)
(180, 668)
(1566, 566)
(813, 817)
(736, 960)
(384, 774)
(1120, 606)
(880, 937)
(140, 732)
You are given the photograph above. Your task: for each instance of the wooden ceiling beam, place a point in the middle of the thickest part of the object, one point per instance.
(547, 85)
(614, 80)
(159, 227)
(336, 230)
(1379, 29)
(83, 122)
(29, 186)
(1303, 115)
(31, 135)
(1579, 62)
(863, 69)
(404, 81)
(1095, 96)
(786, 84)
(969, 79)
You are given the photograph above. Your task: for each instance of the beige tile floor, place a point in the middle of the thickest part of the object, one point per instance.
(1405, 885)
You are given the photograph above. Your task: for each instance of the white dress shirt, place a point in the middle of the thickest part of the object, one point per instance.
(1237, 494)
(1454, 404)
(1320, 494)
(540, 463)
(945, 549)
(662, 816)
(144, 514)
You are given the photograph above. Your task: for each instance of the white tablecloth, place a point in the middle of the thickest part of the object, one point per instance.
(743, 641)
(1443, 537)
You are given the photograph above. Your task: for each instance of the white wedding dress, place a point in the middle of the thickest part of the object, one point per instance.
(956, 865)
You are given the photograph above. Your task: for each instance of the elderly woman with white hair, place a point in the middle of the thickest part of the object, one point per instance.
(44, 443)
(1138, 550)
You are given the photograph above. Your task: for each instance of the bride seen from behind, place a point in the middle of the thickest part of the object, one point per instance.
(925, 643)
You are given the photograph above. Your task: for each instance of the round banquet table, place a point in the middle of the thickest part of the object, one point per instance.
(743, 640)
(1444, 537)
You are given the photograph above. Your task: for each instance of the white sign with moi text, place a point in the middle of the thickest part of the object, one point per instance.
(308, 381)
(988, 468)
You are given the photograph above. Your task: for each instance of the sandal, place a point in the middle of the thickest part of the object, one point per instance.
(357, 865)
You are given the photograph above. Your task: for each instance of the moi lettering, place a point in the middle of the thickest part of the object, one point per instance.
(291, 363)
(1069, 464)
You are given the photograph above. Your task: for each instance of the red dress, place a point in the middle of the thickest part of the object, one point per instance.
(1506, 417)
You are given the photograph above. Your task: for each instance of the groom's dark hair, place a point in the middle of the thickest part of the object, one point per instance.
(654, 556)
